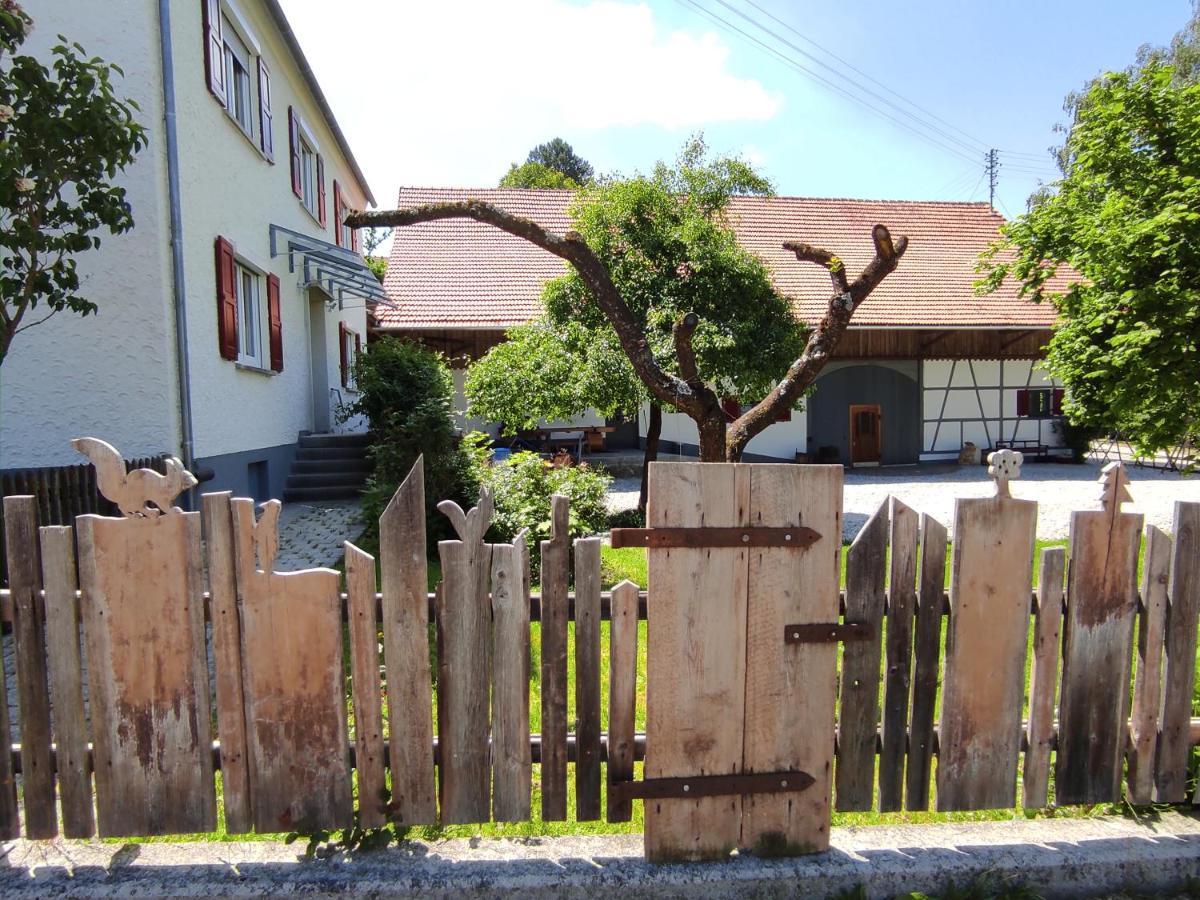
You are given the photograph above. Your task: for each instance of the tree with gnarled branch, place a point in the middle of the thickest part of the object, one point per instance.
(688, 392)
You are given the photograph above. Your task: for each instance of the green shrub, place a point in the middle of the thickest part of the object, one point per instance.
(522, 486)
(405, 391)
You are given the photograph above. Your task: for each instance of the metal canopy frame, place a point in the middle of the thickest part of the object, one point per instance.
(339, 272)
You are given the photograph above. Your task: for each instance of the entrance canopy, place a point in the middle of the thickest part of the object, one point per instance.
(341, 273)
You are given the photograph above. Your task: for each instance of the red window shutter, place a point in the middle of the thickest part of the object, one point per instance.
(214, 50)
(338, 213)
(294, 149)
(353, 234)
(345, 361)
(357, 347)
(1056, 402)
(227, 305)
(731, 408)
(1022, 402)
(274, 323)
(266, 138)
(320, 190)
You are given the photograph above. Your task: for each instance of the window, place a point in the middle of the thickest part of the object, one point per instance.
(308, 168)
(240, 102)
(308, 177)
(1039, 403)
(351, 346)
(250, 316)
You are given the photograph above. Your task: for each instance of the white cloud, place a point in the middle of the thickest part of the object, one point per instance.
(451, 93)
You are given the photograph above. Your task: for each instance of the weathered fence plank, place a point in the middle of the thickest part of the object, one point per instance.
(147, 685)
(29, 635)
(364, 683)
(791, 689)
(897, 681)
(512, 765)
(466, 673)
(926, 662)
(1147, 687)
(1101, 608)
(1043, 678)
(404, 582)
(990, 590)
(555, 563)
(66, 680)
(622, 694)
(294, 684)
(695, 731)
(1179, 670)
(866, 569)
(587, 679)
(217, 516)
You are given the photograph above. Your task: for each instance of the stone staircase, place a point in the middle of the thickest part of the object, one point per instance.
(328, 467)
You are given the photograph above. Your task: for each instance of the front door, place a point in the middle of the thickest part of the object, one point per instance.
(740, 701)
(865, 428)
(319, 354)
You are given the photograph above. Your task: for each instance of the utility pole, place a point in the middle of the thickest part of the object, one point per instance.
(992, 161)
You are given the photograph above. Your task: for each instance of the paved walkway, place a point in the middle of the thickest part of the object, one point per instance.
(1059, 489)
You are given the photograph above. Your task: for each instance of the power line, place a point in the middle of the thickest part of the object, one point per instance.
(869, 77)
(729, 26)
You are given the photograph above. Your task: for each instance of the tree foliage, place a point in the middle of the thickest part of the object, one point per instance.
(670, 251)
(405, 392)
(64, 137)
(560, 156)
(1126, 217)
(538, 176)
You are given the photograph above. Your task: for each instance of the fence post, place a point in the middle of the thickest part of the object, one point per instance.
(587, 679)
(512, 759)
(622, 694)
(24, 581)
(364, 680)
(555, 564)
(1043, 680)
(926, 659)
(902, 596)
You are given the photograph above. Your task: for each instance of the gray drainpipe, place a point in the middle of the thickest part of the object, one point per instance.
(181, 338)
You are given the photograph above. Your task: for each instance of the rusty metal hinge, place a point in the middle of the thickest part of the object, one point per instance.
(827, 633)
(796, 536)
(711, 785)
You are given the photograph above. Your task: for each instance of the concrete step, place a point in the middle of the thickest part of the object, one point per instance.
(339, 464)
(326, 479)
(318, 494)
(351, 454)
(335, 440)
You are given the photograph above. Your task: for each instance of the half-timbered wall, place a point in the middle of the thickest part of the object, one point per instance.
(976, 400)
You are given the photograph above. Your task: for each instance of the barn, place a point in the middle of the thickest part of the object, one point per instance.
(926, 367)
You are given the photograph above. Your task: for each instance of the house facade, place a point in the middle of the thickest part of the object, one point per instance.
(926, 366)
(230, 315)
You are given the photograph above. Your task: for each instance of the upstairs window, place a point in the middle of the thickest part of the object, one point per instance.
(249, 295)
(239, 96)
(308, 168)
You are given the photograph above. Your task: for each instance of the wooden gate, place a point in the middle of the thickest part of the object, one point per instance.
(743, 561)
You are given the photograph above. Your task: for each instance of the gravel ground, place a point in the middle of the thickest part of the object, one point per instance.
(1059, 489)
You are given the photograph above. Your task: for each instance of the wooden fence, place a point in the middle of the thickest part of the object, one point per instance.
(277, 722)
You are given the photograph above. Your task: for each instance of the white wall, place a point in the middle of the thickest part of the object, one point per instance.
(229, 189)
(783, 440)
(976, 401)
(111, 374)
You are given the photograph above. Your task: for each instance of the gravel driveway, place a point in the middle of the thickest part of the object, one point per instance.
(1059, 489)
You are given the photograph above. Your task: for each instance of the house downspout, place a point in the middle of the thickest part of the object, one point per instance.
(173, 199)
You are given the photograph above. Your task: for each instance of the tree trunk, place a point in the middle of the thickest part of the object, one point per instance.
(712, 436)
(653, 432)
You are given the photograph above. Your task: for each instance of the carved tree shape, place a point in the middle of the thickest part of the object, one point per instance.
(132, 492)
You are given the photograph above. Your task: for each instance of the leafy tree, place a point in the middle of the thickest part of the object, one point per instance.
(371, 241)
(1126, 217)
(536, 175)
(64, 137)
(561, 157)
(405, 392)
(654, 261)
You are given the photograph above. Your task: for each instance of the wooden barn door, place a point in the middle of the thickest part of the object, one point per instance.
(865, 440)
(743, 561)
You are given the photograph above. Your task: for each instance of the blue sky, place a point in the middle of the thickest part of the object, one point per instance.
(451, 93)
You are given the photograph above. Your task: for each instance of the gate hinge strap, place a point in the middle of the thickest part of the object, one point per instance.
(822, 633)
(794, 536)
(711, 785)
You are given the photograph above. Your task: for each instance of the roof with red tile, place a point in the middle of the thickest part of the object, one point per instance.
(462, 274)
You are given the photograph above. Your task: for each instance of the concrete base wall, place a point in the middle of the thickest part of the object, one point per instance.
(260, 474)
(1054, 857)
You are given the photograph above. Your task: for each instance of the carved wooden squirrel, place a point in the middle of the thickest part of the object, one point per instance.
(132, 491)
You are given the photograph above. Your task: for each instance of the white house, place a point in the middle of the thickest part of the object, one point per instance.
(230, 315)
